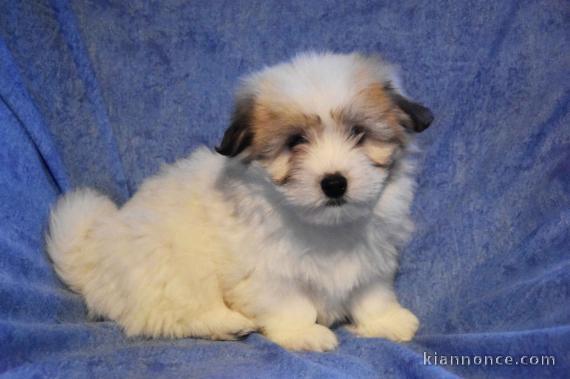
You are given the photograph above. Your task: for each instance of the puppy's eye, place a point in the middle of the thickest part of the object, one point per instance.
(295, 140)
(358, 132)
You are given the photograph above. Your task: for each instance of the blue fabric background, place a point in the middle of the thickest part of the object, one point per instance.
(101, 93)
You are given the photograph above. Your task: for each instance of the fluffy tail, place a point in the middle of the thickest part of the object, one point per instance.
(71, 221)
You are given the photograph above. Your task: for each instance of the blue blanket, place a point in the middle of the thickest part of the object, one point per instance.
(101, 93)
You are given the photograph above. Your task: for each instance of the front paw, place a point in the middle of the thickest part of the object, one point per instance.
(396, 324)
(310, 338)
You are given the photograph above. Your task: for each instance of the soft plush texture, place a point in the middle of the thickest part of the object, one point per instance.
(102, 93)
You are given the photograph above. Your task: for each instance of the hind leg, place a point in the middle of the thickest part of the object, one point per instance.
(159, 276)
(170, 309)
(178, 320)
(160, 297)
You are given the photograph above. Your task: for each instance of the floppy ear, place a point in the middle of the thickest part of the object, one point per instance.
(420, 117)
(240, 134)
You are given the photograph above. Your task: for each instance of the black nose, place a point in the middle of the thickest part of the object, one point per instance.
(334, 185)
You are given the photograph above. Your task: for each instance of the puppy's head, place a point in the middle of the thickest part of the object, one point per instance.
(327, 129)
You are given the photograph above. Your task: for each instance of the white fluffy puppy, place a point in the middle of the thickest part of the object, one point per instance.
(292, 225)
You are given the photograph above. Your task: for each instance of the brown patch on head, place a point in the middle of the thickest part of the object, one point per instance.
(260, 128)
(381, 145)
(412, 116)
(377, 104)
(374, 109)
(274, 123)
(374, 114)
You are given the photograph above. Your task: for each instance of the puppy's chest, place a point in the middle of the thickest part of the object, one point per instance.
(323, 269)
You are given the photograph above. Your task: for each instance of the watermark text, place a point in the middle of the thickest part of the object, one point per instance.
(435, 359)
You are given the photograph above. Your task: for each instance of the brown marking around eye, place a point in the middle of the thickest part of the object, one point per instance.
(282, 167)
(381, 154)
(376, 114)
(282, 181)
(273, 123)
(279, 167)
(373, 108)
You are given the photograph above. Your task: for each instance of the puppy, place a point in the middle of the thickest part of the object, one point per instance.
(293, 225)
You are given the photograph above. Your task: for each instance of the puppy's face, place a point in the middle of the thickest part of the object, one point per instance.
(327, 129)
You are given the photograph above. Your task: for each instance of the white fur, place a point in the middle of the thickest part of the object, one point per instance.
(211, 248)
